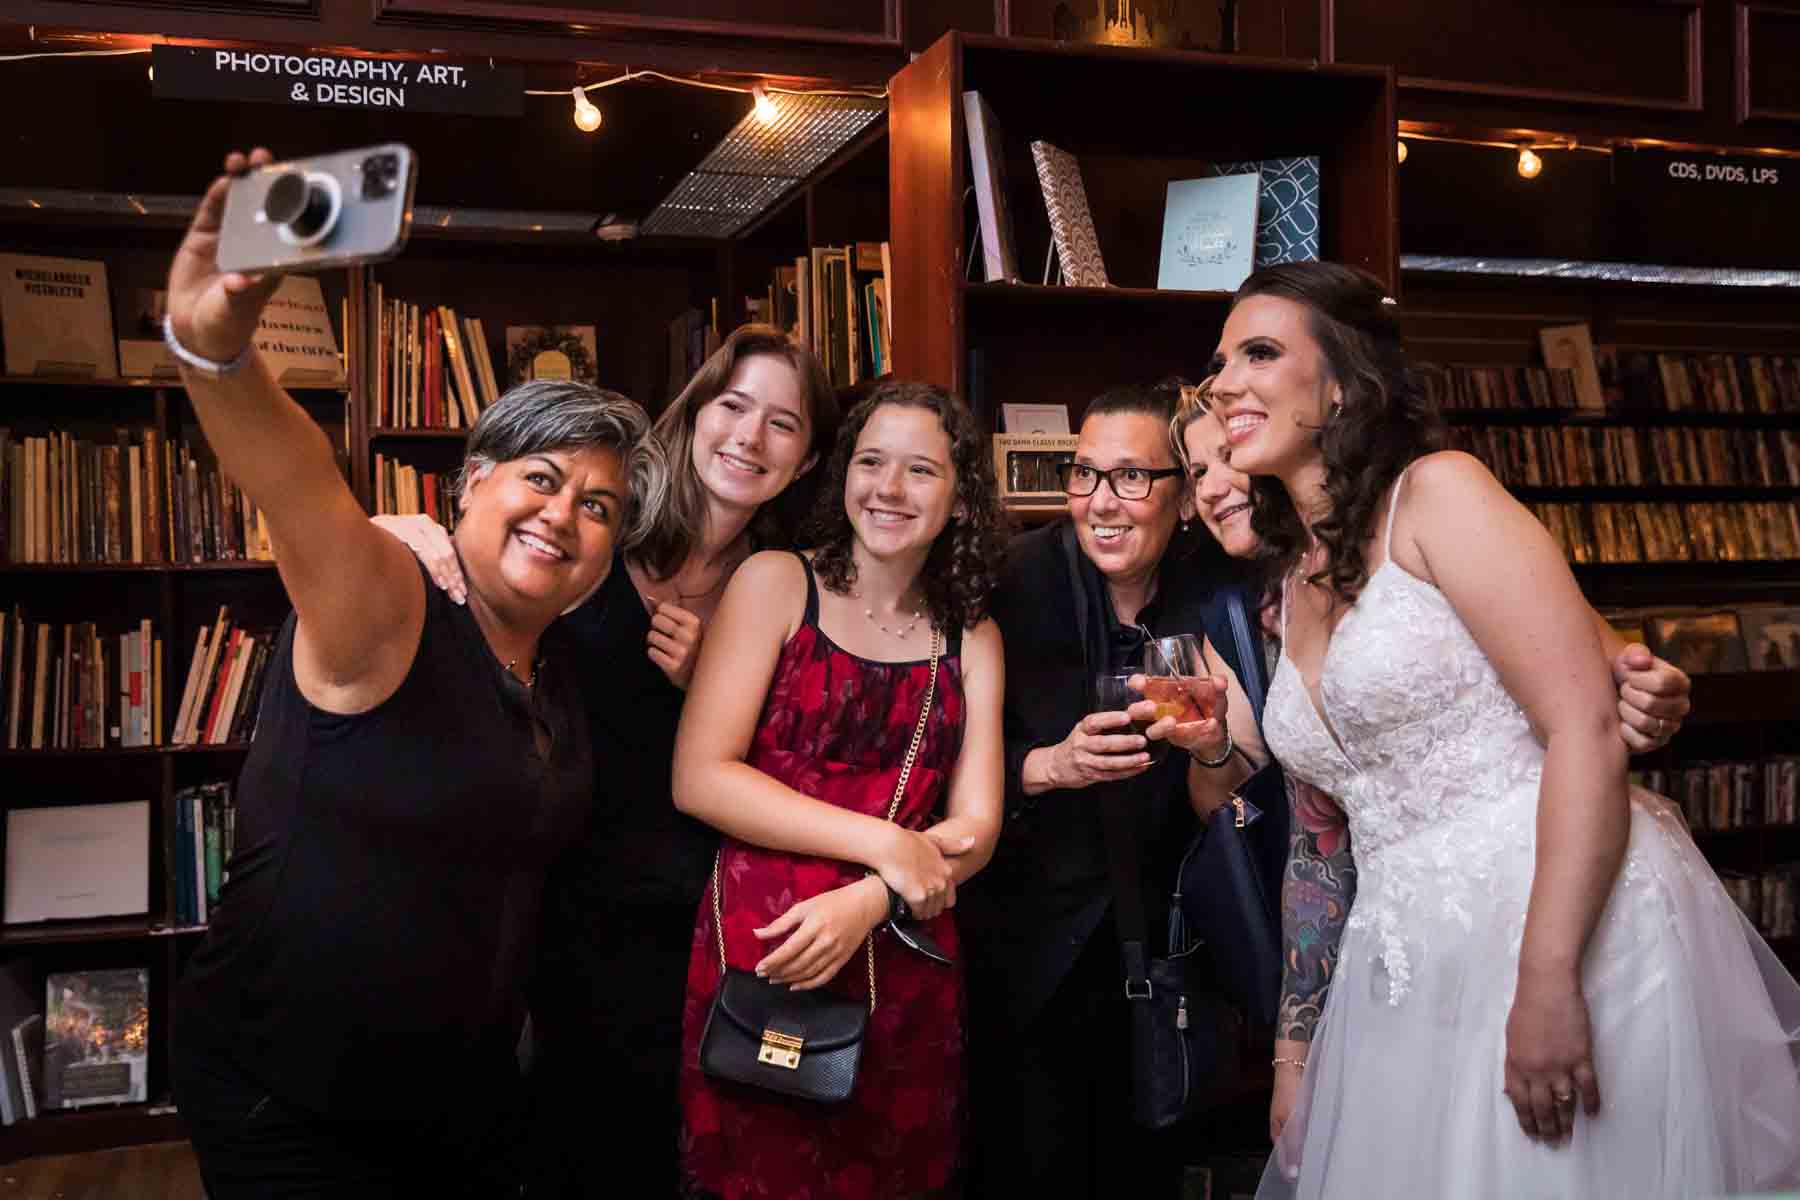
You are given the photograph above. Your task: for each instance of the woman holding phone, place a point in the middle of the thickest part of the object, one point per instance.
(348, 1024)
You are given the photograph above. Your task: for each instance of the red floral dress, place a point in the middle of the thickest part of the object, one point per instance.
(836, 726)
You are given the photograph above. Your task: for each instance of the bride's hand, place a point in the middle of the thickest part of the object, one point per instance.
(1550, 1054)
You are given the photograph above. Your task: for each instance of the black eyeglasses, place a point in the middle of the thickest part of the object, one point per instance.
(1127, 483)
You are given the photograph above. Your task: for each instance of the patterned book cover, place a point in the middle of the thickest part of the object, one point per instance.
(1077, 249)
(1287, 218)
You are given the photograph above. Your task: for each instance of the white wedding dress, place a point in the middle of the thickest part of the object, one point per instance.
(1695, 1023)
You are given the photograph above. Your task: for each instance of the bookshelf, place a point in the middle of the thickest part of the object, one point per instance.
(1695, 331)
(629, 293)
(1108, 107)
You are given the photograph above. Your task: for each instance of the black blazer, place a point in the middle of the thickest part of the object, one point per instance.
(1030, 912)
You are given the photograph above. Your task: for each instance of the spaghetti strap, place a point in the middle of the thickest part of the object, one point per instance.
(1285, 580)
(811, 616)
(1387, 540)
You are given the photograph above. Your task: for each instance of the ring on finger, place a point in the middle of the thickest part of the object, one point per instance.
(1563, 1099)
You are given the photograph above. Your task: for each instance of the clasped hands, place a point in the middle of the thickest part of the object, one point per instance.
(818, 935)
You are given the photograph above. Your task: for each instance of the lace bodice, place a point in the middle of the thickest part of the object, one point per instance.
(1433, 762)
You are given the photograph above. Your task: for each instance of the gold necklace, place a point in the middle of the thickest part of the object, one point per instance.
(531, 680)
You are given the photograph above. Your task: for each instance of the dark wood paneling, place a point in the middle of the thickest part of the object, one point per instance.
(927, 158)
(864, 22)
(1171, 24)
(1643, 54)
(923, 22)
(1768, 62)
(756, 36)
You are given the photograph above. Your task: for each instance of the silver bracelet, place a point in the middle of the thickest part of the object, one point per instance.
(1215, 763)
(206, 366)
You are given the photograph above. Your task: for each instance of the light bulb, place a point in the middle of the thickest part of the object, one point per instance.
(587, 117)
(766, 112)
(1400, 154)
(1529, 163)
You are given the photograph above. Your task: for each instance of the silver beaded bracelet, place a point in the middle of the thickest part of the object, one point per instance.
(206, 366)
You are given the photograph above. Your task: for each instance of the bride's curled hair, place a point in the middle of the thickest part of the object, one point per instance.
(1385, 420)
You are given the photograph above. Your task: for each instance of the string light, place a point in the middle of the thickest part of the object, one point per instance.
(1400, 154)
(766, 112)
(1529, 163)
(587, 116)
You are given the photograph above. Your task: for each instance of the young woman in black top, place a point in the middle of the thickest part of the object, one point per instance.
(619, 913)
(348, 1025)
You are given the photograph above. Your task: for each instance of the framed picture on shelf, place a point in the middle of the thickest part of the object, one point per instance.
(1025, 466)
(1700, 643)
(551, 352)
(1771, 637)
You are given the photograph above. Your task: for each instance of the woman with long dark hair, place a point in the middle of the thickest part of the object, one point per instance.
(1528, 936)
(824, 674)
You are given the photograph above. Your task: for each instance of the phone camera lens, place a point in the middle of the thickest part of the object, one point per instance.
(297, 203)
(380, 172)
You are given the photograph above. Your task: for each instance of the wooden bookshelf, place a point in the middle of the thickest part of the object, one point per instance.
(1066, 344)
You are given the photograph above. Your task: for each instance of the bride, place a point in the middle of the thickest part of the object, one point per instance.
(1542, 989)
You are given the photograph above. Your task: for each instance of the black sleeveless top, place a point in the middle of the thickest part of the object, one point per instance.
(368, 953)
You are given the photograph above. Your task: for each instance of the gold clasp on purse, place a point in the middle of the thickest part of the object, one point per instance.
(780, 1049)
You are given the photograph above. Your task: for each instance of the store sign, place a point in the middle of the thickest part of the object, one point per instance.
(1707, 209)
(304, 79)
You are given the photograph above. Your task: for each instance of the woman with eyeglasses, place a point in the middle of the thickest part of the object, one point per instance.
(1049, 1042)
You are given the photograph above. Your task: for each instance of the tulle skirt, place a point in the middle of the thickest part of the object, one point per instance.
(1696, 1030)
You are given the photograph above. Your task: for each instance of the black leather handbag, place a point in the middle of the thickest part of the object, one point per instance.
(802, 1044)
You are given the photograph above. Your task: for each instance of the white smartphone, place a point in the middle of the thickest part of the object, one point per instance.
(312, 214)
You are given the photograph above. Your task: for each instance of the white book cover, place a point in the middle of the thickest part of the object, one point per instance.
(57, 317)
(77, 861)
(987, 167)
(1209, 233)
(295, 335)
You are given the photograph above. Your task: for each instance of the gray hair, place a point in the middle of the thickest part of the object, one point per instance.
(556, 414)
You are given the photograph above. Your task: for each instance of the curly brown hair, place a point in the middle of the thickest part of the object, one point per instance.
(964, 562)
(1385, 421)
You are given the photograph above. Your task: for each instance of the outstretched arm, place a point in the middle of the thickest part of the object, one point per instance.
(357, 594)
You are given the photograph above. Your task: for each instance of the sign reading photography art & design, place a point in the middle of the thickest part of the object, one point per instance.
(305, 79)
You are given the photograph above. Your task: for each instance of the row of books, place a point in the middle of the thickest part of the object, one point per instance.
(1757, 637)
(1628, 379)
(1580, 456)
(835, 302)
(1766, 898)
(433, 369)
(81, 1039)
(205, 835)
(1645, 532)
(137, 499)
(71, 687)
(1731, 795)
(221, 694)
(402, 490)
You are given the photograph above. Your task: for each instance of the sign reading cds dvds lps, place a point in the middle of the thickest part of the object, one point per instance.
(1712, 210)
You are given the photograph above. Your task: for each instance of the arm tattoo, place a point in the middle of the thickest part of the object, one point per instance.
(1316, 891)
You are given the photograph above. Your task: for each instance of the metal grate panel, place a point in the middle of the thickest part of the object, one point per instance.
(756, 164)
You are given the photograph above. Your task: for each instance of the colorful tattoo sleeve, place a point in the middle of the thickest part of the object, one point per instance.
(1315, 902)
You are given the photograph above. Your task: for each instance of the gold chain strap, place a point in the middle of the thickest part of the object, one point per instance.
(912, 752)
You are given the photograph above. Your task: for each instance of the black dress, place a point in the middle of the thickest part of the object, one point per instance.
(366, 964)
(618, 919)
